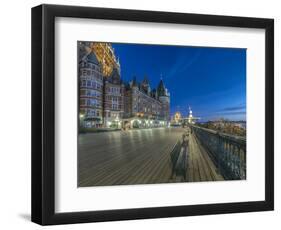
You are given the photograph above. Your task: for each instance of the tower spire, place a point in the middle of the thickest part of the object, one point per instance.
(190, 111)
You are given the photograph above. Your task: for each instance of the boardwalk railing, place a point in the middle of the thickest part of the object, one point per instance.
(227, 151)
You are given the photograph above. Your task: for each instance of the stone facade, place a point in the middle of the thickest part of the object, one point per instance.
(143, 102)
(164, 97)
(114, 91)
(91, 91)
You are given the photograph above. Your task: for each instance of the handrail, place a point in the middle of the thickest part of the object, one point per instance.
(227, 151)
(229, 136)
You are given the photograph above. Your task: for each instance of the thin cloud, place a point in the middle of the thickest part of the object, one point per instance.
(182, 64)
(235, 108)
(234, 113)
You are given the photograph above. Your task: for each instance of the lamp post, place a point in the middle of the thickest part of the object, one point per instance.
(117, 121)
(81, 117)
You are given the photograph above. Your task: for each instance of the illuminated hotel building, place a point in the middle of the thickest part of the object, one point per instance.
(107, 102)
(106, 56)
(145, 104)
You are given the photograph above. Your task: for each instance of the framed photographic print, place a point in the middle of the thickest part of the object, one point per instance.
(142, 114)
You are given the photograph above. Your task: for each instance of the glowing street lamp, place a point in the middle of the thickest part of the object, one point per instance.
(81, 116)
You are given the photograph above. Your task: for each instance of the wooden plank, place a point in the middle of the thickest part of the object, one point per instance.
(216, 176)
(190, 167)
(200, 161)
(200, 165)
(196, 173)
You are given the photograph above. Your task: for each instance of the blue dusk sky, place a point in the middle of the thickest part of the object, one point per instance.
(210, 80)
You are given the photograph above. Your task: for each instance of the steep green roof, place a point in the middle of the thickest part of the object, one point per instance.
(145, 80)
(92, 58)
(161, 90)
(134, 83)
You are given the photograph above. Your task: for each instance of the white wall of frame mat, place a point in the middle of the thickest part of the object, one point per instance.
(15, 115)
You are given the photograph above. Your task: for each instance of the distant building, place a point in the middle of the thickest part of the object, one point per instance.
(191, 118)
(177, 116)
(176, 120)
(91, 91)
(143, 102)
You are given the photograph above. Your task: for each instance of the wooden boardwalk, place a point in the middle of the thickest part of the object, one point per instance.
(200, 165)
(138, 157)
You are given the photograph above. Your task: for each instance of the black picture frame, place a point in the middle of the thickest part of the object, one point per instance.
(43, 114)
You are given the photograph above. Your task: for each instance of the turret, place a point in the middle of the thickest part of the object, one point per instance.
(164, 98)
(134, 82)
(145, 85)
